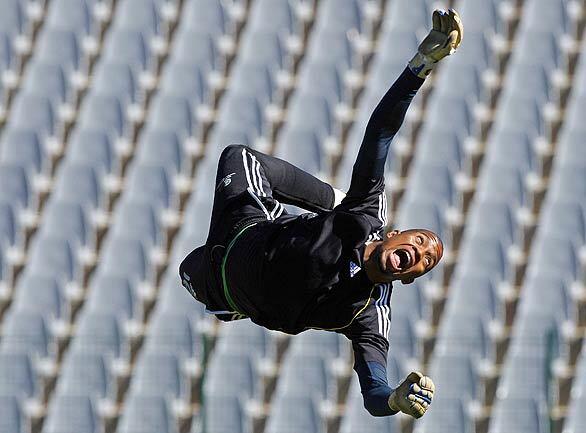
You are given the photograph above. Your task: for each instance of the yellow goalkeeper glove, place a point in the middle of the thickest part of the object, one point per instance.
(444, 38)
(413, 396)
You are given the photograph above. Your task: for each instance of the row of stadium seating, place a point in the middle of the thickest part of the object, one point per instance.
(115, 114)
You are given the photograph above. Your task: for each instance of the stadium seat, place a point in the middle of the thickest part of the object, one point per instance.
(111, 294)
(138, 15)
(59, 47)
(150, 184)
(135, 220)
(172, 113)
(9, 225)
(405, 15)
(116, 80)
(462, 333)
(492, 216)
(103, 113)
(294, 414)
(10, 415)
(71, 414)
(146, 414)
(23, 147)
(16, 375)
(518, 415)
(25, 332)
(231, 374)
(84, 374)
(272, 16)
(157, 374)
(310, 112)
(445, 415)
(71, 15)
(224, 414)
(196, 48)
(68, 221)
(39, 293)
(127, 46)
(244, 337)
(33, 112)
(576, 419)
(305, 375)
(46, 80)
(205, 16)
(92, 147)
(356, 417)
(404, 43)
(187, 80)
(173, 333)
(253, 79)
(474, 293)
(402, 335)
(98, 332)
(302, 148)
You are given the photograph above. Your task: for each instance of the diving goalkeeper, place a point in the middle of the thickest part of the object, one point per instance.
(331, 269)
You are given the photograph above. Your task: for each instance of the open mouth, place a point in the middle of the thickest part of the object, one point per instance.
(400, 260)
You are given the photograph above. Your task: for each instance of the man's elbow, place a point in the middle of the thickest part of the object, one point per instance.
(375, 408)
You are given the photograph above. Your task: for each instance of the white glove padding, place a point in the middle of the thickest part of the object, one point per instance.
(413, 396)
(445, 37)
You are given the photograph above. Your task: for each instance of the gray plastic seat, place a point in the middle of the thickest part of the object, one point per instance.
(223, 414)
(24, 331)
(157, 374)
(231, 374)
(5, 51)
(115, 79)
(500, 182)
(243, 336)
(322, 79)
(12, 20)
(571, 145)
(70, 414)
(331, 47)
(242, 112)
(555, 12)
(136, 220)
(173, 113)
(174, 298)
(14, 185)
(111, 294)
(409, 297)
(146, 414)
(92, 147)
(397, 46)
(569, 182)
(469, 82)
(187, 80)
(402, 335)
(440, 147)
(47, 80)
(78, 183)
(272, 16)
(430, 182)
(127, 46)
(53, 256)
(252, 79)
(97, 332)
(39, 293)
(22, 147)
(421, 214)
(263, 48)
(524, 376)
(475, 52)
(511, 147)
(479, 15)
(292, 415)
(67, 220)
(518, 113)
(454, 376)
(16, 375)
(10, 415)
(34, 113)
(473, 293)
(357, 419)
(461, 332)
(72, 15)
(138, 15)
(84, 374)
(9, 226)
(485, 255)
(563, 261)
(336, 15)
(492, 216)
(518, 415)
(407, 15)
(126, 257)
(445, 415)
(304, 375)
(310, 112)
(103, 113)
(161, 147)
(547, 293)
(458, 117)
(58, 47)
(327, 344)
(150, 184)
(302, 148)
(564, 220)
(173, 333)
(196, 48)
(528, 80)
(537, 47)
(205, 15)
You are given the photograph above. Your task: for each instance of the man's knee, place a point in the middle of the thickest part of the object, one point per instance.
(231, 150)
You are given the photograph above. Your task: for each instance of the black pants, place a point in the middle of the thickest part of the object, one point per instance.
(251, 186)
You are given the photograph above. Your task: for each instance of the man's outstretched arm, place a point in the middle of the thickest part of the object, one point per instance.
(388, 116)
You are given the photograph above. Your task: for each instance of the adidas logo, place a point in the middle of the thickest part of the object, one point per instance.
(354, 269)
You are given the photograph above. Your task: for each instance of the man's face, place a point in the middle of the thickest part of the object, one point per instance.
(406, 255)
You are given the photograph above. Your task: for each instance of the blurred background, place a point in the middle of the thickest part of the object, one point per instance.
(114, 113)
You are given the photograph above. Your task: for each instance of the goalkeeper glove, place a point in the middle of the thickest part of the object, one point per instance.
(445, 37)
(413, 396)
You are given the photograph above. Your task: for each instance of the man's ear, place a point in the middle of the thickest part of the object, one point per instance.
(393, 233)
(408, 280)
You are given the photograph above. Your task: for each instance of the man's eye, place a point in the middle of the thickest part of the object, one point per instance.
(427, 261)
(419, 240)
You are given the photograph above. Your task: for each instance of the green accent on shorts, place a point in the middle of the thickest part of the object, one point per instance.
(227, 295)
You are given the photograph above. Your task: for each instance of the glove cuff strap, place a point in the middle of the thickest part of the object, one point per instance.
(421, 65)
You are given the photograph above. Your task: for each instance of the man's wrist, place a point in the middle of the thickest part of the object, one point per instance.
(421, 65)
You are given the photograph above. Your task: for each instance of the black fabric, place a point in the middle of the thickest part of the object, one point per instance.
(292, 273)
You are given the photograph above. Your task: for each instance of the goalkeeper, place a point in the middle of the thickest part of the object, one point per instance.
(331, 269)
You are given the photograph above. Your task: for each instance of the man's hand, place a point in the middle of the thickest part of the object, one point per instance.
(413, 396)
(444, 38)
